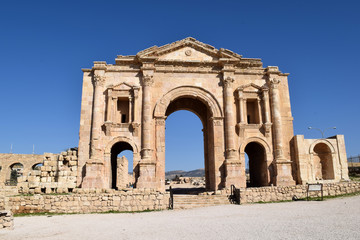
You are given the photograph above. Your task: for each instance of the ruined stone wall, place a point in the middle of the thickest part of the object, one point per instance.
(8, 159)
(85, 201)
(272, 194)
(58, 174)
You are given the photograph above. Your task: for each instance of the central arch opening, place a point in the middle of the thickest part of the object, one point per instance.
(187, 147)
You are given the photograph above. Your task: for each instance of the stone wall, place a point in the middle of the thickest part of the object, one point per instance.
(6, 220)
(86, 201)
(270, 194)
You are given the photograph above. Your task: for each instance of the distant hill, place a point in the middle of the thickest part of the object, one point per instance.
(194, 173)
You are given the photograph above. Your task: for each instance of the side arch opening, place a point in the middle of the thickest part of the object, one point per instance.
(323, 162)
(257, 165)
(121, 163)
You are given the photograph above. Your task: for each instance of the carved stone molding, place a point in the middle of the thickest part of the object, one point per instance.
(147, 80)
(99, 80)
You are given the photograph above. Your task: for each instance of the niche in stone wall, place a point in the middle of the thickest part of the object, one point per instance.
(252, 110)
(323, 162)
(122, 110)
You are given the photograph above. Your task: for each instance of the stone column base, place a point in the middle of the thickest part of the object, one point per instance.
(94, 177)
(284, 174)
(233, 174)
(147, 177)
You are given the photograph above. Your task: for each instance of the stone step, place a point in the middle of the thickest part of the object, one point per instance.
(184, 201)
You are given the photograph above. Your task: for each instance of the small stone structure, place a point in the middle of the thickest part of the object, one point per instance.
(6, 220)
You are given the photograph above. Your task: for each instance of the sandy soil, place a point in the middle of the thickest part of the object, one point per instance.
(331, 219)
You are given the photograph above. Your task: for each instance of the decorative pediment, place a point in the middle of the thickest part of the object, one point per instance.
(188, 49)
(122, 87)
(250, 88)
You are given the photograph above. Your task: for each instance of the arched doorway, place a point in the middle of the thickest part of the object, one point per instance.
(119, 174)
(258, 170)
(16, 170)
(185, 152)
(323, 163)
(203, 104)
(201, 111)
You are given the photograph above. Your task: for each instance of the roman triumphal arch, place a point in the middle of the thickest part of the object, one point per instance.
(244, 109)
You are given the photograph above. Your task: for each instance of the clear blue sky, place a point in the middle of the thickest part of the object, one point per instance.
(44, 45)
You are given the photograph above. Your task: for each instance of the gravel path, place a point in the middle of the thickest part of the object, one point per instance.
(332, 219)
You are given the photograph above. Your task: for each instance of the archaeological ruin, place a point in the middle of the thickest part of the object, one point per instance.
(244, 109)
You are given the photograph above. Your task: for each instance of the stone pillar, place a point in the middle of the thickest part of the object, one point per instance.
(245, 111)
(130, 110)
(136, 92)
(241, 107)
(114, 109)
(267, 124)
(147, 164)
(95, 172)
(266, 105)
(160, 152)
(259, 110)
(283, 165)
(109, 106)
(146, 118)
(231, 162)
(229, 119)
(99, 82)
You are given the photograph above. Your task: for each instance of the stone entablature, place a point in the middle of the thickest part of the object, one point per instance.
(244, 108)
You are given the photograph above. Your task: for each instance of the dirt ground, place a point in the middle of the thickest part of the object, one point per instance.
(331, 219)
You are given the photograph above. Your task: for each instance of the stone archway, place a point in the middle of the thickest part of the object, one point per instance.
(206, 107)
(261, 169)
(115, 173)
(322, 160)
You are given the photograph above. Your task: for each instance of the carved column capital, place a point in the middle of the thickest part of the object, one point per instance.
(217, 121)
(99, 80)
(240, 93)
(274, 83)
(228, 81)
(160, 121)
(147, 80)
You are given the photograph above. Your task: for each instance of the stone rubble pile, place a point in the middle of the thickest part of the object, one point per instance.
(6, 220)
(58, 174)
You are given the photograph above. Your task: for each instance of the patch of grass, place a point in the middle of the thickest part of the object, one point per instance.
(57, 214)
(33, 194)
(355, 178)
